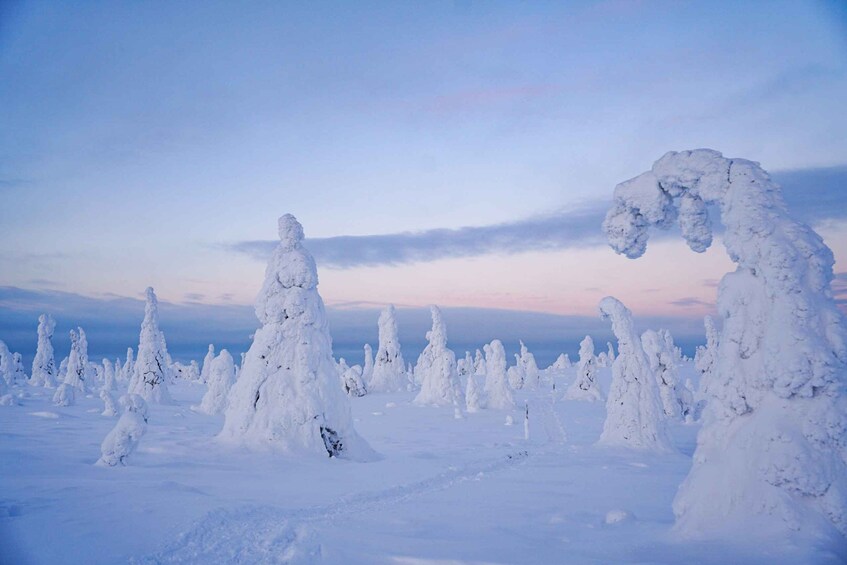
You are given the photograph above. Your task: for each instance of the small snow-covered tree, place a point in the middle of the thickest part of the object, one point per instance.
(207, 364)
(479, 363)
(368, 369)
(436, 367)
(603, 360)
(464, 366)
(18, 372)
(129, 365)
(704, 356)
(529, 368)
(661, 355)
(74, 375)
(6, 364)
(194, 370)
(633, 410)
(109, 408)
(287, 396)
(610, 354)
(119, 371)
(389, 374)
(124, 437)
(774, 435)
(497, 392)
(150, 372)
(352, 382)
(44, 371)
(89, 371)
(584, 386)
(108, 375)
(221, 377)
(562, 363)
(473, 395)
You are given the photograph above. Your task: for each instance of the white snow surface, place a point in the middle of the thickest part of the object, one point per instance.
(772, 454)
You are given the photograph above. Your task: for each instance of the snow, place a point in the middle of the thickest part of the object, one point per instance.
(771, 457)
(288, 397)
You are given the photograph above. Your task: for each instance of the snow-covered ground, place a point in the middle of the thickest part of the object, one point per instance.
(444, 490)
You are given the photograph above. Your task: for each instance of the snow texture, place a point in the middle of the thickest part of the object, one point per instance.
(773, 447)
(221, 377)
(124, 437)
(584, 386)
(389, 373)
(634, 415)
(151, 370)
(497, 392)
(287, 397)
(436, 368)
(44, 371)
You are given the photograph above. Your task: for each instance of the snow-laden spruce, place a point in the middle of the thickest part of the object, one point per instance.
(151, 368)
(89, 371)
(368, 369)
(498, 395)
(464, 366)
(206, 368)
(389, 373)
(473, 395)
(479, 363)
(528, 368)
(351, 379)
(634, 416)
(124, 437)
(74, 373)
(562, 362)
(19, 375)
(704, 356)
(584, 386)
(436, 367)
(44, 372)
(129, 365)
(6, 364)
(109, 408)
(108, 375)
(661, 355)
(220, 378)
(772, 452)
(610, 354)
(288, 397)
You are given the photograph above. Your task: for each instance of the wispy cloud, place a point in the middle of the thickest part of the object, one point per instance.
(563, 229)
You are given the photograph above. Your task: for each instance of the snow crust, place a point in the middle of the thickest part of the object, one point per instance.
(288, 397)
(773, 447)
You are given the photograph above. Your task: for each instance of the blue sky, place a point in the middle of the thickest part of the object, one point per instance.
(154, 143)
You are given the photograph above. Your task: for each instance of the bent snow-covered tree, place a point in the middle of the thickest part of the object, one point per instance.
(288, 397)
(774, 435)
(389, 372)
(150, 372)
(634, 415)
(44, 371)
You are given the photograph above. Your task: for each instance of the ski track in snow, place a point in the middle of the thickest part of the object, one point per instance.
(261, 534)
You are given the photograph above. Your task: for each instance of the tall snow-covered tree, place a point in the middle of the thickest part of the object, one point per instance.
(287, 396)
(661, 355)
(207, 364)
(129, 365)
(584, 386)
(108, 375)
(774, 433)
(389, 373)
(221, 377)
(634, 415)
(436, 367)
(479, 363)
(18, 372)
(497, 392)
(6, 364)
(561, 363)
(473, 396)
(150, 371)
(368, 369)
(74, 374)
(529, 368)
(44, 372)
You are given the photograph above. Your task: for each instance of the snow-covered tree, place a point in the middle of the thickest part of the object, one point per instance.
(584, 386)
(287, 397)
(562, 363)
(465, 366)
(436, 367)
(497, 392)
(207, 364)
(108, 375)
(74, 375)
(6, 364)
(129, 365)
(119, 371)
(704, 356)
(633, 410)
(44, 371)
(109, 408)
(772, 452)
(473, 395)
(661, 356)
(18, 372)
(389, 374)
(610, 354)
(603, 360)
(368, 369)
(124, 437)
(89, 371)
(150, 372)
(194, 370)
(479, 363)
(529, 368)
(352, 382)
(221, 377)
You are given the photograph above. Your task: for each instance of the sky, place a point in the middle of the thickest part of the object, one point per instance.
(459, 153)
